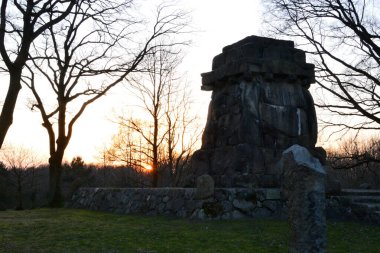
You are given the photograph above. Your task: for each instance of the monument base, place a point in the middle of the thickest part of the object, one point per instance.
(242, 165)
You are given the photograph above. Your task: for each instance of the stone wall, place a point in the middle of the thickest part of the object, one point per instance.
(226, 203)
(343, 208)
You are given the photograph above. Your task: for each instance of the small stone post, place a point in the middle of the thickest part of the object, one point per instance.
(205, 187)
(304, 189)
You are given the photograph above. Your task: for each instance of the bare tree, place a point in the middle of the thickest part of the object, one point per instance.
(82, 58)
(343, 37)
(21, 163)
(21, 22)
(152, 89)
(356, 162)
(128, 147)
(183, 131)
(352, 154)
(165, 134)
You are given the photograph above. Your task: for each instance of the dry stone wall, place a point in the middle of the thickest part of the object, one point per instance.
(225, 203)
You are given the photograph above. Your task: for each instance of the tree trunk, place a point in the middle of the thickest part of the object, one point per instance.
(6, 117)
(155, 149)
(155, 170)
(19, 192)
(55, 172)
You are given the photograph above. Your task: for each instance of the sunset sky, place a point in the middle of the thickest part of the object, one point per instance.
(220, 23)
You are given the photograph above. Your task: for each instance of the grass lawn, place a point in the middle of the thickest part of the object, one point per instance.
(66, 230)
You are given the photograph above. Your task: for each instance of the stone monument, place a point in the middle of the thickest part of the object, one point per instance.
(260, 106)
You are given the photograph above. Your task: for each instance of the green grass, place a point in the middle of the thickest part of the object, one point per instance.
(66, 230)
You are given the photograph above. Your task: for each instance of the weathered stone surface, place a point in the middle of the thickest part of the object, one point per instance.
(333, 185)
(236, 215)
(304, 189)
(364, 186)
(181, 202)
(259, 55)
(355, 204)
(260, 106)
(205, 187)
(243, 205)
(226, 203)
(271, 194)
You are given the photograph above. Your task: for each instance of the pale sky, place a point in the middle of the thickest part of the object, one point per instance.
(221, 22)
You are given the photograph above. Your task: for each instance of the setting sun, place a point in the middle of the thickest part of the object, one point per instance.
(148, 167)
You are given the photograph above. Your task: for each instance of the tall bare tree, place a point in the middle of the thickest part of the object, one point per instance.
(84, 57)
(21, 22)
(183, 131)
(166, 103)
(152, 89)
(343, 37)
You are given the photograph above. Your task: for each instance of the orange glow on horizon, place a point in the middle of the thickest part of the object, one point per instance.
(148, 167)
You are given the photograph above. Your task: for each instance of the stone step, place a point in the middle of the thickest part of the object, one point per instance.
(364, 204)
(364, 199)
(360, 192)
(367, 206)
(359, 199)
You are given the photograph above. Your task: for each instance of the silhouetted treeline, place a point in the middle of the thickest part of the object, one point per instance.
(28, 188)
(356, 163)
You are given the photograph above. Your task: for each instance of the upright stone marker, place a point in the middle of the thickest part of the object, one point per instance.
(205, 187)
(303, 186)
(260, 106)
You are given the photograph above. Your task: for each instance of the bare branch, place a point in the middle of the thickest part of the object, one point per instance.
(342, 37)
